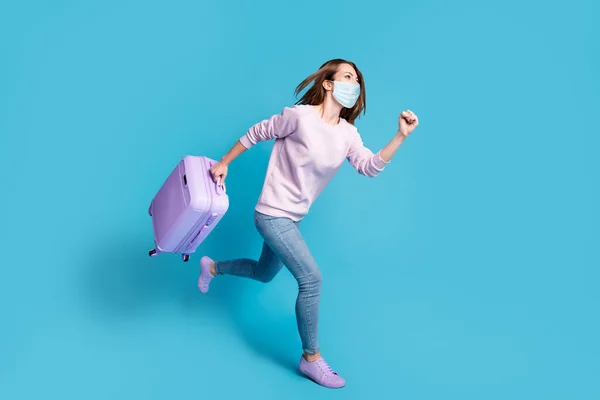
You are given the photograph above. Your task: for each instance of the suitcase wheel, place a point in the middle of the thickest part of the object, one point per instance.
(153, 253)
(185, 257)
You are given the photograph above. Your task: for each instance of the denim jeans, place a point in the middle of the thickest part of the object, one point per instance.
(284, 245)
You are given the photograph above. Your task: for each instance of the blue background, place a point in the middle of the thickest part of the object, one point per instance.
(467, 270)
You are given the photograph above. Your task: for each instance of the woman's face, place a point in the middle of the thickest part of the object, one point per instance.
(346, 73)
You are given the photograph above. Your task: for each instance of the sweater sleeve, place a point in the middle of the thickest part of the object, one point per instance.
(277, 127)
(363, 160)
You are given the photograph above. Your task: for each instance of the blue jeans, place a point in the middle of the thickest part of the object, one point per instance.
(284, 245)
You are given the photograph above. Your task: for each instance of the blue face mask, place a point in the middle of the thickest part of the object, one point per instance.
(346, 93)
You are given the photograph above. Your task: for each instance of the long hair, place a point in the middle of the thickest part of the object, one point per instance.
(315, 95)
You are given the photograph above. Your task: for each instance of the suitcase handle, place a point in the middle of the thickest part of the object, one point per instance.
(219, 186)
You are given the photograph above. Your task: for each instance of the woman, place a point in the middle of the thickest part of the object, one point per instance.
(313, 138)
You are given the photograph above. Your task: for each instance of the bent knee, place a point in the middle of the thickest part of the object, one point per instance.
(310, 280)
(265, 278)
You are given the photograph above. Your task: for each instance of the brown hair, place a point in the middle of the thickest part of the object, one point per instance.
(316, 94)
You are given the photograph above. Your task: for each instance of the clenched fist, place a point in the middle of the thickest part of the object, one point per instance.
(219, 170)
(407, 122)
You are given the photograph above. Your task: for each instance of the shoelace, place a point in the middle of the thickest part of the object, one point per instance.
(325, 367)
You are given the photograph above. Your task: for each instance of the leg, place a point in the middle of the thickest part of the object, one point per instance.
(284, 238)
(263, 270)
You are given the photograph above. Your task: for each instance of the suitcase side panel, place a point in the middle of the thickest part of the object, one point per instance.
(199, 182)
(205, 188)
(216, 213)
(168, 204)
(187, 207)
(172, 214)
(183, 230)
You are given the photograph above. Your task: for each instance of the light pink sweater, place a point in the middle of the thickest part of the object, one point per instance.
(307, 154)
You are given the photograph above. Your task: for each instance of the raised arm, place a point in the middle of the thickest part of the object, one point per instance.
(363, 160)
(369, 164)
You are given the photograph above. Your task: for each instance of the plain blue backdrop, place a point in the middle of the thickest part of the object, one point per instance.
(467, 270)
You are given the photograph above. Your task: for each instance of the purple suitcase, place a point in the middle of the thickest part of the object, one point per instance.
(187, 207)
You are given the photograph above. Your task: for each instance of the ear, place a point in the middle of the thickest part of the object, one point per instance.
(328, 85)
